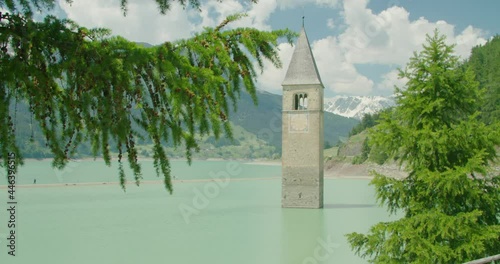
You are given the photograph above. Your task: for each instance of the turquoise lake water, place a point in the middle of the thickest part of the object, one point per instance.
(220, 212)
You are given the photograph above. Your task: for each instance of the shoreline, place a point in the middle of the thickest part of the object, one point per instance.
(160, 182)
(115, 159)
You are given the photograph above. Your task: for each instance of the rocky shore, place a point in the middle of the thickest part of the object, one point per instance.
(343, 169)
(340, 169)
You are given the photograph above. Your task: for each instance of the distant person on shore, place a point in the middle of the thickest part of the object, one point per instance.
(34, 181)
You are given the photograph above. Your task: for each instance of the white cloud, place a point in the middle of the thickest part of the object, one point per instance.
(336, 72)
(142, 22)
(386, 38)
(391, 38)
(272, 77)
(283, 4)
(330, 23)
(469, 38)
(214, 12)
(258, 15)
(389, 81)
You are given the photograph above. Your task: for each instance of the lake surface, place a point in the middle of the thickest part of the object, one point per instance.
(220, 212)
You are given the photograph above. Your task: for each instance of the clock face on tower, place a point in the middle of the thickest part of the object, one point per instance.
(298, 122)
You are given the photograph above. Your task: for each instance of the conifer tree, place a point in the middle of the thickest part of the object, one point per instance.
(450, 200)
(86, 85)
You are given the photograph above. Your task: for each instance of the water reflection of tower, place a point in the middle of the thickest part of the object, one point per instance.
(304, 245)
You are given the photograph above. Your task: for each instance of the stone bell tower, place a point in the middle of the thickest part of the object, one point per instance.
(302, 146)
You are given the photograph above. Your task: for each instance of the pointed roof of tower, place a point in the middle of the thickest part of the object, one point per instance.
(302, 68)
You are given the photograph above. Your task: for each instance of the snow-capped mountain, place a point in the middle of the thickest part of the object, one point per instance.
(356, 106)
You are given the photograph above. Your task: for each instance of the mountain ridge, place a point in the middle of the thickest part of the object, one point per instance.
(257, 131)
(356, 106)
(264, 119)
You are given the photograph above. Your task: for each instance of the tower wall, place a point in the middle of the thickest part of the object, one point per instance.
(302, 148)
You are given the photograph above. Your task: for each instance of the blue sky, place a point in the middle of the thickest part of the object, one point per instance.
(358, 44)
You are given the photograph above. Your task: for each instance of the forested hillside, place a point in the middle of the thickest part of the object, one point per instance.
(264, 120)
(257, 133)
(485, 61)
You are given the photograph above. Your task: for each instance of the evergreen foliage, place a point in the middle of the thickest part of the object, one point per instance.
(85, 85)
(365, 150)
(485, 61)
(368, 120)
(376, 155)
(450, 200)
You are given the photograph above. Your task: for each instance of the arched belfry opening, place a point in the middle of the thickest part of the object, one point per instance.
(300, 101)
(302, 146)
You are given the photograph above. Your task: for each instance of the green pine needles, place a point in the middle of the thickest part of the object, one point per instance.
(82, 85)
(451, 199)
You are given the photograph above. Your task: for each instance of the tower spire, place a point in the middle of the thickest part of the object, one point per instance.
(302, 68)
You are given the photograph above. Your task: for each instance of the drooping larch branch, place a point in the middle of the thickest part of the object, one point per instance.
(83, 85)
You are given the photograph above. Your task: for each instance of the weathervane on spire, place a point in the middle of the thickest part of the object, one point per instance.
(303, 18)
